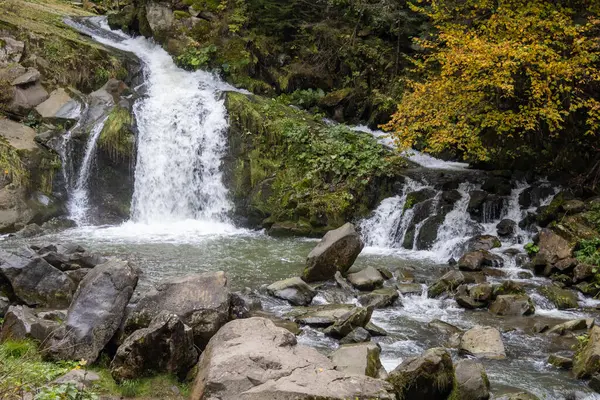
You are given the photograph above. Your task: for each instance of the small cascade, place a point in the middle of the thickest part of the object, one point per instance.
(78, 204)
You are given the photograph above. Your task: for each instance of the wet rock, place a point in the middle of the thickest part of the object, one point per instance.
(594, 383)
(427, 377)
(21, 323)
(406, 275)
(77, 275)
(59, 105)
(572, 326)
(29, 231)
(294, 290)
(357, 317)
(358, 359)
(343, 282)
(483, 242)
(483, 342)
(243, 303)
(524, 275)
(533, 195)
(407, 289)
(337, 251)
(386, 273)
(560, 362)
(448, 282)
(497, 185)
(375, 330)
(34, 281)
(443, 327)
(508, 287)
(465, 301)
(428, 232)
(482, 292)
(286, 324)
(562, 298)
(450, 197)
(366, 279)
(202, 301)
(95, 313)
(379, 298)
(512, 305)
(484, 207)
(506, 228)
(251, 359)
(471, 381)
(474, 277)
(358, 335)
(320, 316)
(518, 396)
(167, 345)
(587, 359)
(565, 266)
(417, 197)
(479, 259)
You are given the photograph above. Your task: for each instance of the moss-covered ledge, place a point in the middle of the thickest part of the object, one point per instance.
(295, 175)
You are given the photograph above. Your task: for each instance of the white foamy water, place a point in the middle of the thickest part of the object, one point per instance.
(181, 124)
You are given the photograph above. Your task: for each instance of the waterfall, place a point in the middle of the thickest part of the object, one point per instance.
(181, 139)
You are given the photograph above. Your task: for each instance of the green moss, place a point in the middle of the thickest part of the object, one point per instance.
(12, 166)
(116, 137)
(562, 298)
(181, 14)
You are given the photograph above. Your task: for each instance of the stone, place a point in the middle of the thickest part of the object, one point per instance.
(474, 277)
(343, 282)
(553, 248)
(478, 259)
(428, 232)
(252, 359)
(483, 342)
(29, 231)
(167, 345)
(379, 298)
(443, 327)
(77, 275)
(571, 326)
(160, 17)
(508, 287)
(19, 136)
(429, 376)
(11, 51)
(482, 292)
(408, 289)
(468, 302)
(562, 298)
(506, 228)
(28, 97)
(202, 301)
(80, 378)
(294, 290)
(594, 383)
(357, 317)
(518, 396)
(53, 315)
(4, 305)
(560, 361)
(95, 313)
(583, 272)
(35, 282)
(512, 305)
(358, 359)
(375, 330)
(243, 303)
(471, 381)
(366, 279)
(483, 242)
(385, 273)
(573, 206)
(21, 323)
(587, 359)
(321, 316)
(448, 282)
(337, 251)
(358, 335)
(30, 76)
(59, 105)
(286, 324)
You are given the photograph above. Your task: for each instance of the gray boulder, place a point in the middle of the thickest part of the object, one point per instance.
(512, 305)
(21, 323)
(30, 76)
(202, 302)
(358, 359)
(427, 377)
(337, 251)
(483, 242)
(294, 290)
(357, 317)
(366, 279)
(483, 342)
(506, 228)
(320, 316)
(95, 313)
(407, 289)
(471, 381)
(379, 298)
(358, 335)
(572, 326)
(59, 105)
(11, 51)
(478, 259)
(34, 281)
(448, 282)
(167, 345)
(252, 359)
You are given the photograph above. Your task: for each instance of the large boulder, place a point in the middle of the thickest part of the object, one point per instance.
(471, 381)
(337, 251)
(96, 312)
(21, 323)
(294, 290)
(562, 298)
(448, 282)
(427, 377)
(252, 359)
(512, 305)
(379, 298)
(358, 359)
(59, 105)
(34, 281)
(553, 248)
(478, 259)
(320, 316)
(483, 242)
(428, 232)
(357, 317)
(366, 279)
(587, 358)
(202, 302)
(167, 345)
(483, 342)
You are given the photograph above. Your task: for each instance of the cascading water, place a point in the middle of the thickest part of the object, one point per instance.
(181, 124)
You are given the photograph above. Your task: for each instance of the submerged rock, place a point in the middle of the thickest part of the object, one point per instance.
(426, 377)
(294, 290)
(483, 342)
(167, 345)
(252, 359)
(337, 251)
(471, 381)
(202, 302)
(95, 313)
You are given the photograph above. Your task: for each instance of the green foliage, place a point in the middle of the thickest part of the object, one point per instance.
(195, 58)
(67, 391)
(589, 252)
(303, 98)
(531, 249)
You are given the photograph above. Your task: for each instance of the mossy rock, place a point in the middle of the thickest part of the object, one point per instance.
(562, 298)
(117, 138)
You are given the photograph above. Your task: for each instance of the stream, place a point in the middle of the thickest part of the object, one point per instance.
(180, 226)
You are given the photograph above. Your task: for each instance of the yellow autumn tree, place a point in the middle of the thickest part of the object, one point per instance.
(503, 78)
